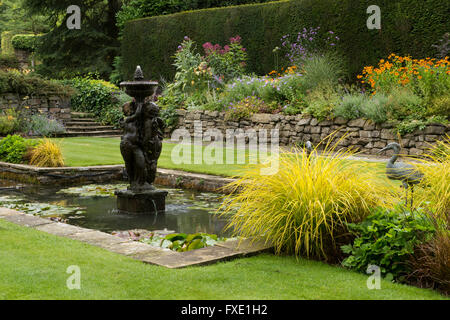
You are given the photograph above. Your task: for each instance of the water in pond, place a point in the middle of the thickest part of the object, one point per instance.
(94, 207)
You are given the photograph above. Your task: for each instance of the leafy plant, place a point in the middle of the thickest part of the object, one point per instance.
(13, 148)
(9, 122)
(308, 43)
(182, 242)
(41, 125)
(47, 154)
(387, 239)
(248, 106)
(351, 106)
(311, 200)
(321, 102)
(322, 71)
(101, 98)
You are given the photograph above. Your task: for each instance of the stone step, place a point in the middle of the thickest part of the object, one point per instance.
(82, 123)
(114, 133)
(89, 128)
(81, 115)
(82, 119)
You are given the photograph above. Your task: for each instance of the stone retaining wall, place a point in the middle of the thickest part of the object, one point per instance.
(53, 106)
(68, 176)
(368, 137)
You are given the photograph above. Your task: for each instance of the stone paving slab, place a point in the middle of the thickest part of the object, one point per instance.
(27, 220)
(96, 238)
(9, 212)
(60, 229)
(137, 250)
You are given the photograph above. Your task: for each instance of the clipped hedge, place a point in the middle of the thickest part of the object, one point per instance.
(7, 47)
(408, 27)
(27, 42)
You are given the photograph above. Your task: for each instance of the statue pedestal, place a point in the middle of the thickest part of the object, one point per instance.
(141, 202)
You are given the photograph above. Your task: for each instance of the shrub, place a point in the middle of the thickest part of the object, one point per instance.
(351, 106)
(440, 106)
(14, 81)
(303, 208)
(387, 239)
(321, 102)
(9, 122)
(375, 108)
(249, 106)
(40, 125)
(8, 62)
(307, 44)
(27, 42)
(430, 263)
(13, 148)
(406, 28)
(228, 62)
(98, 97)
(47, 154)
(427, 78)
(322, 70)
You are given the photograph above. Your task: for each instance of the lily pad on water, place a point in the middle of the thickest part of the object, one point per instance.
(94, 190)
(182, 242)
(38, 209)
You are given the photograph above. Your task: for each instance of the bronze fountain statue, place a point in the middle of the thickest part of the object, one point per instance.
(141, 147)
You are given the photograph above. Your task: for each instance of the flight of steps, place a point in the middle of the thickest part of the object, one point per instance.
(84, 125)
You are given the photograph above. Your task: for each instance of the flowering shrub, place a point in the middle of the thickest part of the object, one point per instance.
(426, 77)
(308, 43)
(248, 106)
(228, 62)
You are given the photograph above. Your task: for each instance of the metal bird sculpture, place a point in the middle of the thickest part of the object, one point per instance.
(309, 147)
(403, 172)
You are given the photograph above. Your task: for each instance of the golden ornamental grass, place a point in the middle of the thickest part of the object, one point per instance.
(303, 208)
(47, 154)
(435, 195)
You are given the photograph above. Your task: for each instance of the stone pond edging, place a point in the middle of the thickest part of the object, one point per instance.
(107, 174)
(231, 249)
(363, 134)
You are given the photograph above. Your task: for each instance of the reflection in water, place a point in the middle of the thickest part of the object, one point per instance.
(186, 211)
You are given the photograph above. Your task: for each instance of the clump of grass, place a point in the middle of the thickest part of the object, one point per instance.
(435, 196)
(431, 261)
(46, 154)
(304, 208)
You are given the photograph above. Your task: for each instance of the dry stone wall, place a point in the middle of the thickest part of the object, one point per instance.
(53, 106)
(363, 134)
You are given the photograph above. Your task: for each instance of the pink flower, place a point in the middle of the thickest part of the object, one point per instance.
(236, 39)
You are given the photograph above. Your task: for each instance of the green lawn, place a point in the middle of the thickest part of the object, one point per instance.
(33, 266)
(87, 151)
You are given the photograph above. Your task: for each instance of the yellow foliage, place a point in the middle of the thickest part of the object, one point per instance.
(47, 154)
(436, 183)
(304, 207)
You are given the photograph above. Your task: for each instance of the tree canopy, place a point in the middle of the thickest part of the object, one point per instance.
(65, 52)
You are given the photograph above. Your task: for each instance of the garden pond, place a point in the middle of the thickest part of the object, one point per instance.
(94, 207)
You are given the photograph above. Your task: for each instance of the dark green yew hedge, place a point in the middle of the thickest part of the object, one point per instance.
(408, 27)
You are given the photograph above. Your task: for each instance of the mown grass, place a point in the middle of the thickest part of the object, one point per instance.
(87, 151)
(33, 266)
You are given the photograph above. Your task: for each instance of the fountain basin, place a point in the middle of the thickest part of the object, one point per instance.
(141, 202)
